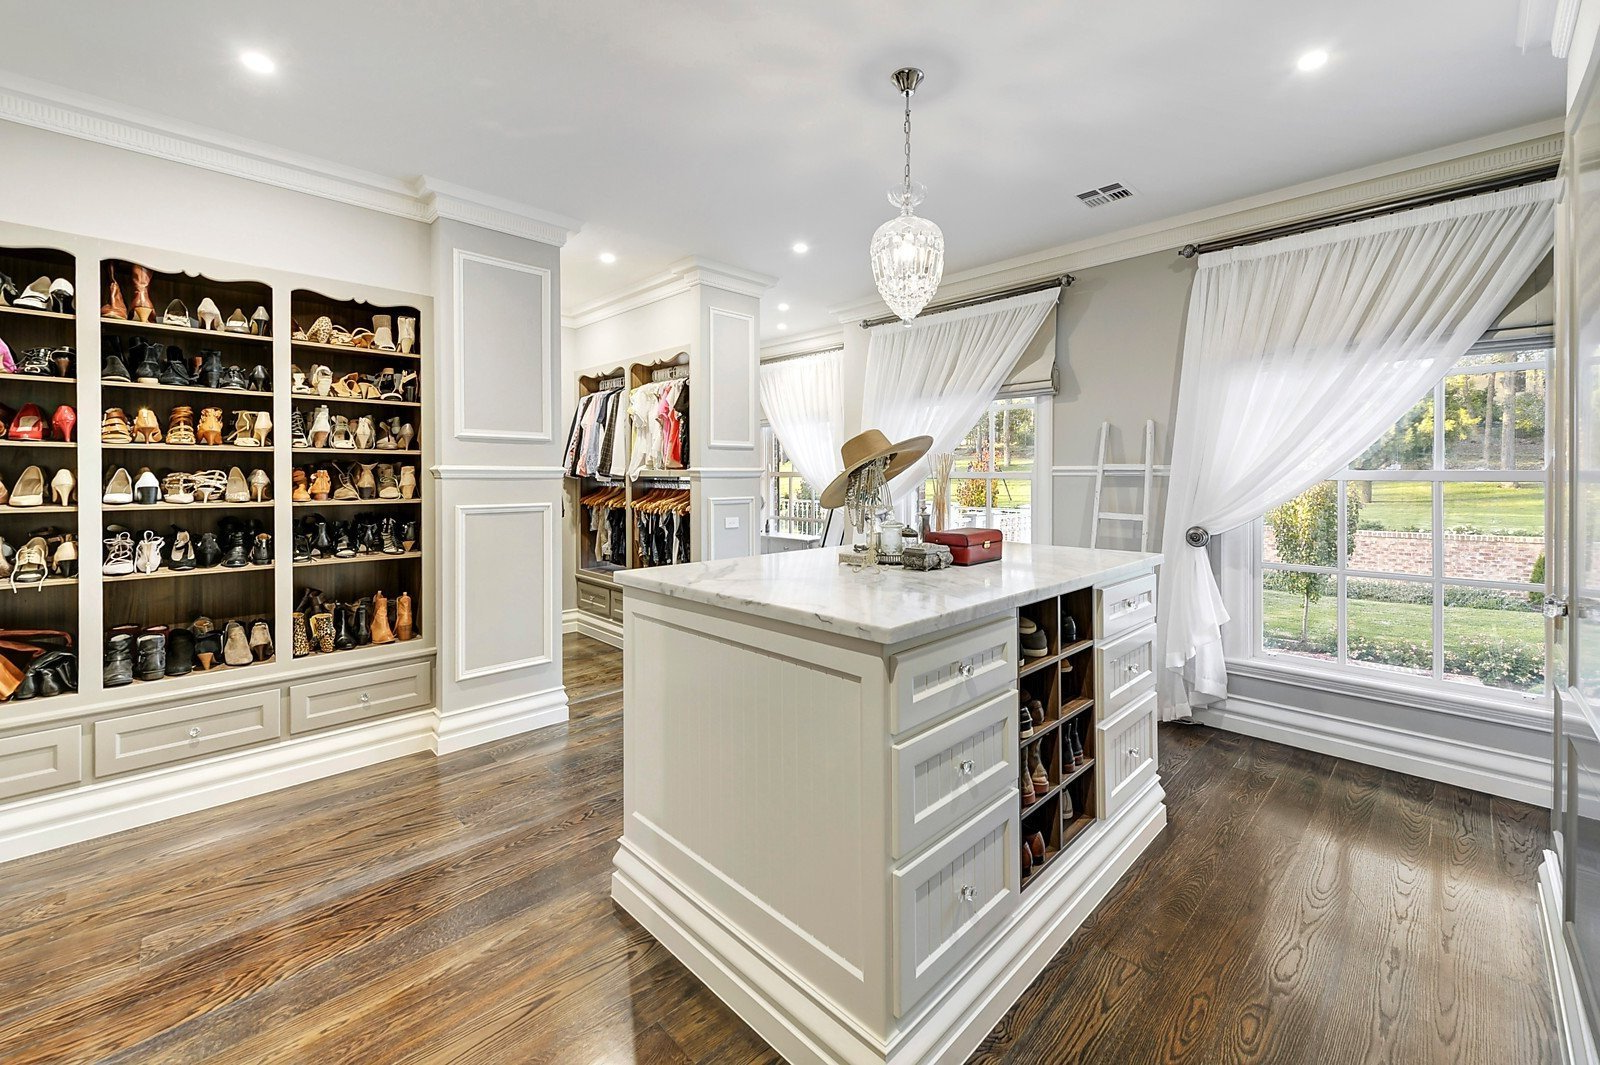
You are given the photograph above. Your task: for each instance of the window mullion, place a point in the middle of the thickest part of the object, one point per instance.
(1341, 608)
(1438, 532)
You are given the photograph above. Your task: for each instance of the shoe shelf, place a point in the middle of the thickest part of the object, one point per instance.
(139, 386)
(191, 449)
(51, 603)
(315, 503)
(165, 573)
(380, 557)
(316, 400)
(414, 453)
(351, 349)
(157, 326)
(29, 312)
(127, 509)
(1077, 648)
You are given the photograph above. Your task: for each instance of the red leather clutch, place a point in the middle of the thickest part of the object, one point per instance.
(968, 547)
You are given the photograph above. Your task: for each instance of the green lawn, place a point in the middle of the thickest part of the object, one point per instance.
(1400, 621)
(1484, 506)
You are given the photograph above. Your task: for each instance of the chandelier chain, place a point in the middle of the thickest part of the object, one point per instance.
(908, 145)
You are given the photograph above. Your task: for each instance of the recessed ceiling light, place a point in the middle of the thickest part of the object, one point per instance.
(608, 257)
(801, 247)
(257, 62)
(1312, 60)
(783, 325)
(783, 306)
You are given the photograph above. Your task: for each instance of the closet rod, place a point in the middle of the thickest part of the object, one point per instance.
(1542, 172)
(1064, 281)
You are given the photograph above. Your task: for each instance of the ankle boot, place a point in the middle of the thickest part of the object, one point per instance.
(207, 648)
(210, 368)
(381, 632)
(180, 653)
(360, 623)
(119, 660)
(261, 648)
(302, 638)
(208, 552)
(261, 551)
(143, 309)
(342, 638)
(322, 631)
(321, 546)
(237, 553)
(152, 655)
(407, 534)
(402, 617)
(235, 647)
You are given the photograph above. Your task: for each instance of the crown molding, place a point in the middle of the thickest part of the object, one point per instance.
(685, 275)
(57, 110)
(441, 199)
(1564, 24)
(1424, 172)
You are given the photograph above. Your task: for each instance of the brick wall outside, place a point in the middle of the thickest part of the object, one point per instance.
(1485, 558)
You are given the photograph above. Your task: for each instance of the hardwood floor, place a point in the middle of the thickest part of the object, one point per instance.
(1297, 909)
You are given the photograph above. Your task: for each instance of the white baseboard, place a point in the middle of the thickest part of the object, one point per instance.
(1452, 761)
(50, 821)
(460, 729)
(803, 1026)
(1577, 1041)
(585, 624)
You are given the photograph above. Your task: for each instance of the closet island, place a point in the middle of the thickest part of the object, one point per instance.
(855, 812)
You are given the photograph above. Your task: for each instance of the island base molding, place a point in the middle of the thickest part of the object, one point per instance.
(807, 1029)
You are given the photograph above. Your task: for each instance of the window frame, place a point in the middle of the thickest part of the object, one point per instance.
(1243, 567)
(1039, 478)
(772, 490)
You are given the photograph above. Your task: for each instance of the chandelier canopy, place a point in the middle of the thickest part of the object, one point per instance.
(907, 251)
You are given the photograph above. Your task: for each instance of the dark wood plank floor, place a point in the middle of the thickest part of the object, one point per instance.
(1297, 909)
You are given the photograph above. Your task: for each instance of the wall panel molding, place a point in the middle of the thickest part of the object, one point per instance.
(544, 431)
(516, 601)
(718, 379)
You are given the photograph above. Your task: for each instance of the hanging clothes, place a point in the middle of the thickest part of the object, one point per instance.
(661, 522)
(658, 413)
(596, 442)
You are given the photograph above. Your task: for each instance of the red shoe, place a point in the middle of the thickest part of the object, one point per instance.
(64, 421)
(28, 424)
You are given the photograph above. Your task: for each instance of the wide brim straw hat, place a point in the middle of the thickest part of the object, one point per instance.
(870, 446)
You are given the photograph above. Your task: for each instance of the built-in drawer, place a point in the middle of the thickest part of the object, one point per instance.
(357, 696)
(1126, 605)
(594, 599)
(35, 761)
(936, 679)
(178, 733)
(1125, 668)
(948, 773)
(616, 604)
(1127, 753)
(947, 901)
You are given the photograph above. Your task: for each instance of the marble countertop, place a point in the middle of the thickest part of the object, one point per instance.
(887, 605)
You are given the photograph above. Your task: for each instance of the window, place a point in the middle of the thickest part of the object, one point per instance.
(1427, 556)
(995, 477)
(792, 506)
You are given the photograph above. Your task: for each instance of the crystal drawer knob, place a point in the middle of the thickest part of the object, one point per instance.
(194, 732)
(966, 767)
(968, 892)
(1134, 751)
(964, 668)
(1127, 604)
(365, 698)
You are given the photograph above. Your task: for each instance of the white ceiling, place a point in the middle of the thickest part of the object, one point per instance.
(731, 130)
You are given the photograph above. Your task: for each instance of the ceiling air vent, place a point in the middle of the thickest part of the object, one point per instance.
(1105, 194)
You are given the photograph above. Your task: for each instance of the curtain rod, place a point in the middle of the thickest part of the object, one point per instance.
(1542, 172)
(803, 354)
(1064, 280)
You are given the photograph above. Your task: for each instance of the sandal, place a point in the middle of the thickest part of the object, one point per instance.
(362, 338)
(238, 490)
(146, 430)
(321, 427)
(383, 332)
(297, 429)
(119, 554)
(178, 487)
(341, 336)
(180, 426)
(244, 430)
(321, 380)
(388, 486)
(343, 438)
(348, 386)
(295, 332)
(302, 487)
(364, 433)
(210, 484)
(347, 488)
(297, 382)
(209, 431)
(114, 427)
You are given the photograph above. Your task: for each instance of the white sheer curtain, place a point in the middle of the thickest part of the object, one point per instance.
(1300, 352)
(803, 399)
(937, 375)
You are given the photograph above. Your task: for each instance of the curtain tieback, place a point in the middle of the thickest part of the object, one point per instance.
(1197, 537)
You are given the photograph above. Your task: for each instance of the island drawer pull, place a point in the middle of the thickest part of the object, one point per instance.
(964, 668)
(966, 767)
(968, 892)
(194, 732)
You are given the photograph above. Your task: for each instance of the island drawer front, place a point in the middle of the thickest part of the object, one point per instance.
(1127, 745)
(933, 681)
(593, 599)
(948, 901)
(1126, 670)
(177, 733)
(950, 772)
(1126, 605)
(357, 696)
(35, 761)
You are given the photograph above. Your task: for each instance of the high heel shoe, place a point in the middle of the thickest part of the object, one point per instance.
(62, 486)
(301, 643)
(380, 631)
(209, 371)
(321, 427)
(237, 322)
(261, 641)
(119, 488)
(31, 564)
(114, 427)
(259, 323)
(408, 386)
(209, 431)
(114, 307)
(207, 316)
(27, 424)
(119, 554)
(182, 557)
(235, 646)
(146, 430)
(180, 425)
(178, 488)
(238, 490)
(403, 627)
(243, 434)
(146, 489)
(147, 555)
(383, 332)
(64, 422)
(347, 491)
(258, 486)
(29, 489)
(407, 328)
(297, 429)
(210, 485)
(261, 427)
(61, 296)
(321, 380)
(143, 309)
(342, 438)
(408, 482)
(297, 382)
(385, 486)
(364, 433)
(321, 486)
(405, 436)
(65, 561)
(300, 487)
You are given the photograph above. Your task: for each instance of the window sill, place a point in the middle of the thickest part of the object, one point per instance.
(1521, 711)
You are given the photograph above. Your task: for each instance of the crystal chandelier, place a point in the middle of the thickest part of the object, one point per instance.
(907, 251)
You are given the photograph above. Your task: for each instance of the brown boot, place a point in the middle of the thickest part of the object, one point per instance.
(379, 625)
(402, 617)
(143, 309)
(114, 307)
